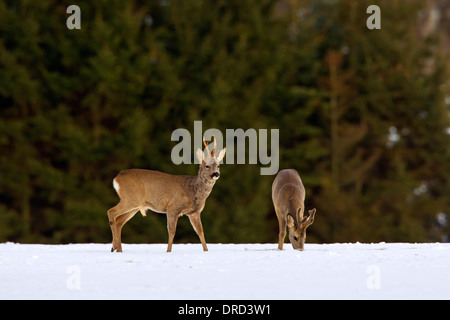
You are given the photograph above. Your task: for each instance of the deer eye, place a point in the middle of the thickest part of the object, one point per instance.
(295, 238)
(207, 167)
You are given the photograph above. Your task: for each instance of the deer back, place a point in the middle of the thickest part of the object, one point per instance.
(288, 192)
(152, 189)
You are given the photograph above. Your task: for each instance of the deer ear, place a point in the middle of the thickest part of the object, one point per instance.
(199, 154)
(221, 154)
(290, 221)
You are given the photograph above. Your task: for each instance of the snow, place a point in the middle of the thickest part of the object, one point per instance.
(226, 271)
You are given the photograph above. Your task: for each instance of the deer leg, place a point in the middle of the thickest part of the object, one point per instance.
(282, 228)
(281, 233)
(171, 228)
(120, 221)
(198, 227)
(113, 213)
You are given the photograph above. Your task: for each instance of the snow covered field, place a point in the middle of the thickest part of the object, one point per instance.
(226, 271)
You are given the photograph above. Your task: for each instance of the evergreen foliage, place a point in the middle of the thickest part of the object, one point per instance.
(361, 113)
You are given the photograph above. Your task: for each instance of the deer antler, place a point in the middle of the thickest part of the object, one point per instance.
(206, 147)
(213, 153)
(307, 221)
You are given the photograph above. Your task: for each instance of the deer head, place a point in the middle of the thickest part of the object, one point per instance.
(209, 167)
(297, 231)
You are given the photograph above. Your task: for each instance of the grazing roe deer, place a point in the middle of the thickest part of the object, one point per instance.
(288, 196)
(174, 195)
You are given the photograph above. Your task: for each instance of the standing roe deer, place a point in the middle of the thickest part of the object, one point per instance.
(288, 196)
(174, 195)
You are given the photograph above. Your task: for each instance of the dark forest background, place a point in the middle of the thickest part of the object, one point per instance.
(363, 114)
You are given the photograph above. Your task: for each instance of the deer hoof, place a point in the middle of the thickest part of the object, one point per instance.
(112, 249)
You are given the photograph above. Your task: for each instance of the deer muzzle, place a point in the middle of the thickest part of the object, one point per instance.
(215, 175)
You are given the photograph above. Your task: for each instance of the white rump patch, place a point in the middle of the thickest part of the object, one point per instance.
(116, 186)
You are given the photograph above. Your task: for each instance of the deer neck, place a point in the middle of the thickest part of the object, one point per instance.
(202, 187)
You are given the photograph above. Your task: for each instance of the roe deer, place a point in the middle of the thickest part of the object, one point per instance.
(288, 196)
(174, 195)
